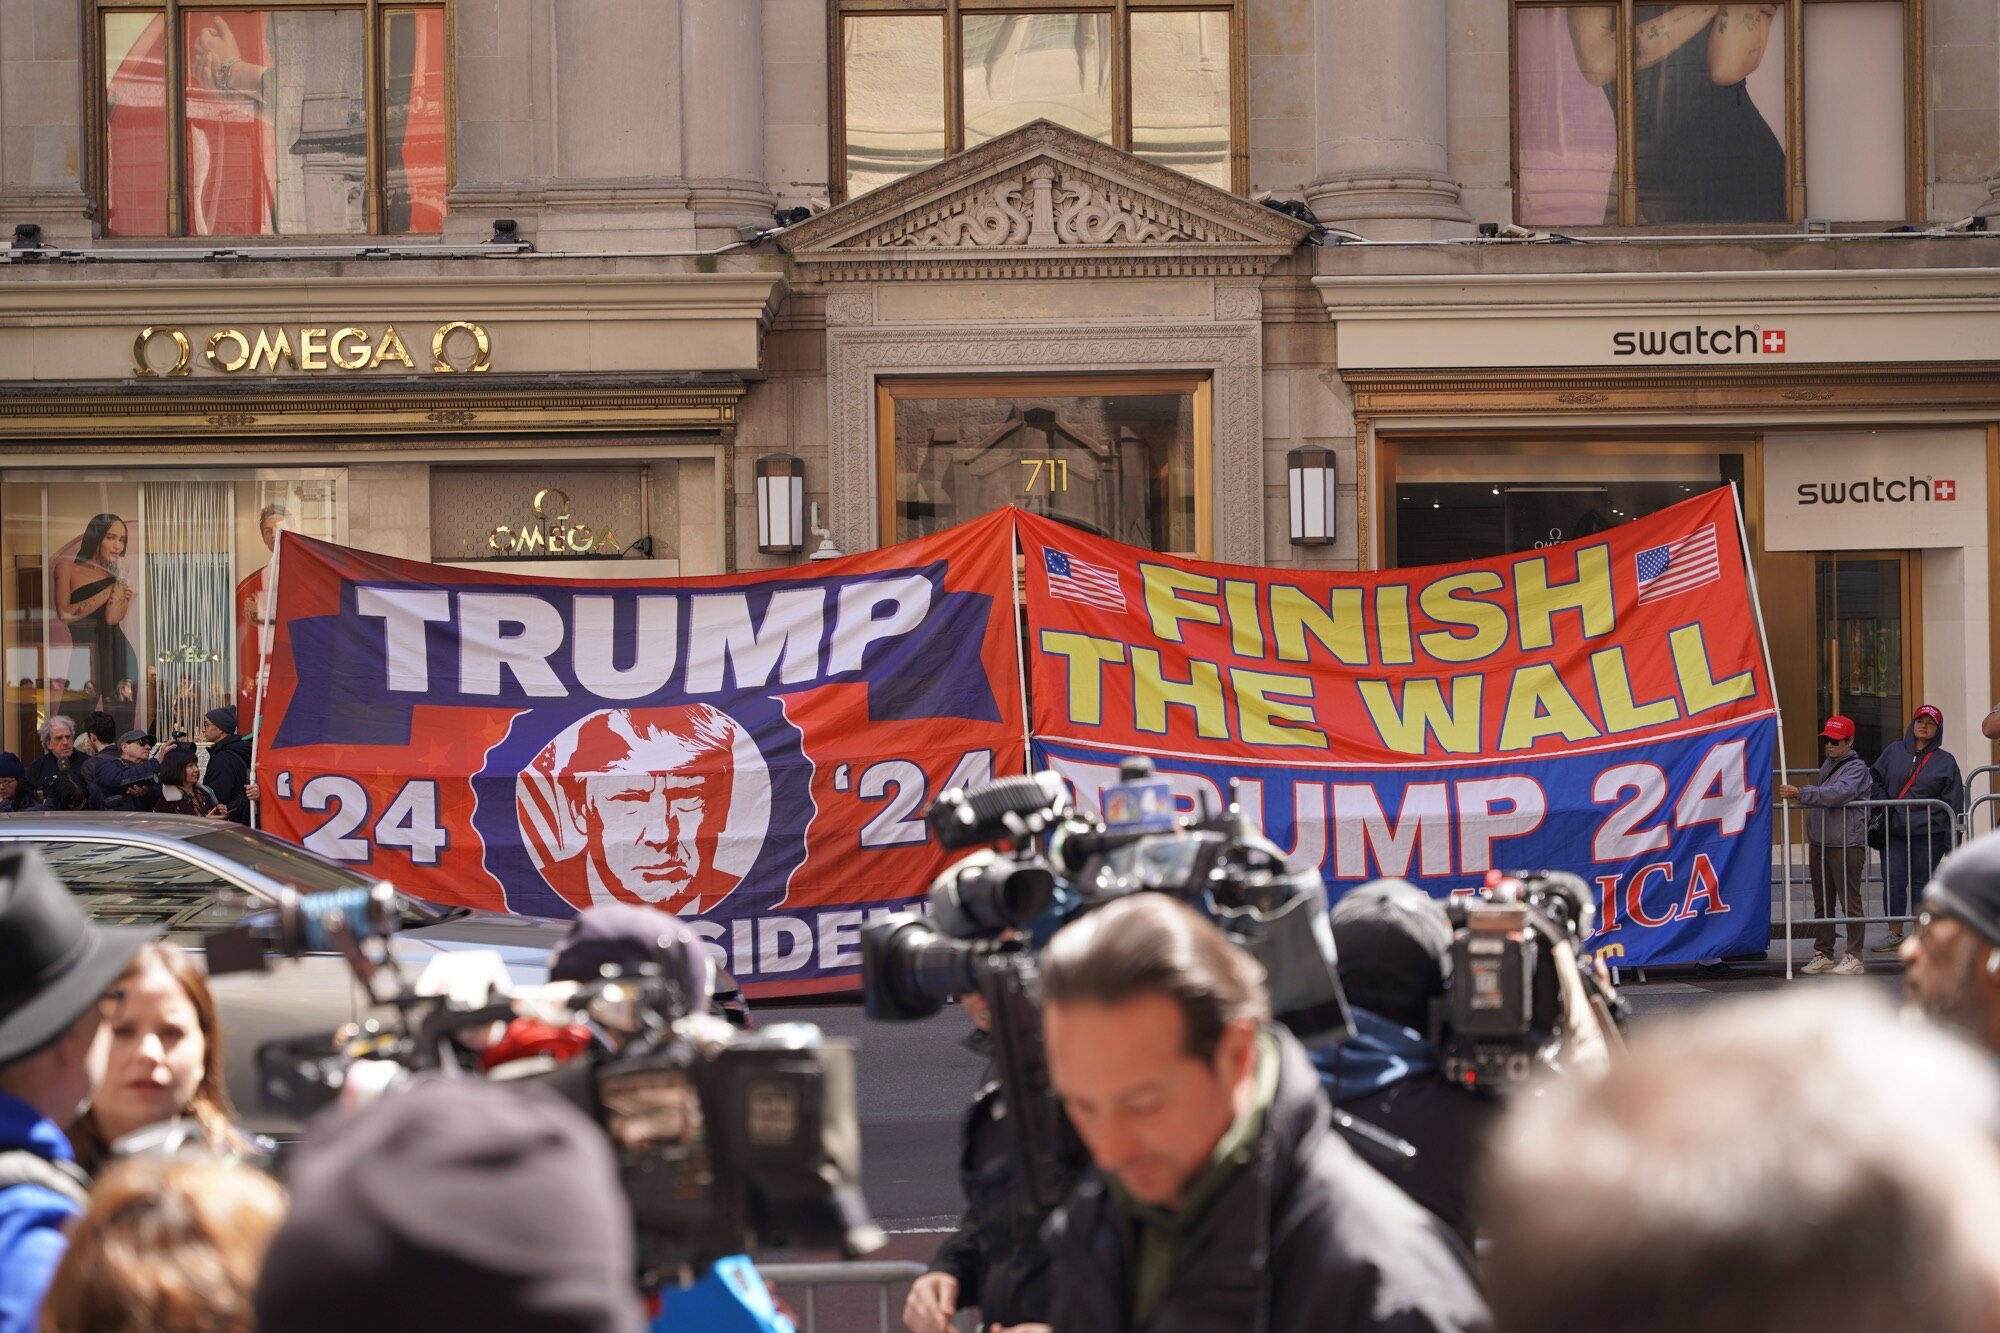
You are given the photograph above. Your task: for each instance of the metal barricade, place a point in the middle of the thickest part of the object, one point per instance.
(810, 1277)
(1991, 772)
(1912, 854)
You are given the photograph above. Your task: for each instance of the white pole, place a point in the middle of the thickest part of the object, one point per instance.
(267, 611)
(1784, 815)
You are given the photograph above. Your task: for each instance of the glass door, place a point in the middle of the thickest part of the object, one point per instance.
(1862, 615)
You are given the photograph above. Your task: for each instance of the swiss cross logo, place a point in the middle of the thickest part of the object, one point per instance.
(1774, 340)
(1944, 490)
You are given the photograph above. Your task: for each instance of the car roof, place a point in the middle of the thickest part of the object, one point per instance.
(142, 827)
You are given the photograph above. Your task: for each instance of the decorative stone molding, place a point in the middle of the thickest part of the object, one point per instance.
(1237, 303)
(849, 308)
(1043, 201)
(1233, 355)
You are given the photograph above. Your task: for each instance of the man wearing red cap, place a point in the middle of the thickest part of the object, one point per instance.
(1837, 844)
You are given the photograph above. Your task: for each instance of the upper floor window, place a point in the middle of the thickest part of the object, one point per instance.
(913, 85)
(1641, 114)
(318, 119)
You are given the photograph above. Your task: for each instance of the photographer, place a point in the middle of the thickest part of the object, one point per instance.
(1394, 944)
(55, 967)
(995, 1260)
(1222, 1197)
(1951, 961)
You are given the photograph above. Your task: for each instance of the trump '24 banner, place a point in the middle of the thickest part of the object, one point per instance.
(1599, 706)
(753, 751)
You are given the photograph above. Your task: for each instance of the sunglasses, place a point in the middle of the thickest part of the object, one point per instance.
(1833, 740)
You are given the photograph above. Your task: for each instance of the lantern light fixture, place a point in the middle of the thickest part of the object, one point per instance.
(781, 500)
(1313, 476)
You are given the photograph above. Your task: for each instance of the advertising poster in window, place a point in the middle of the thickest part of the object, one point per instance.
(141, 598)
(1707, 114)
(752, 751)
(1599, 706)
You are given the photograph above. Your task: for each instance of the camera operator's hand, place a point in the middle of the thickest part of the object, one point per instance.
(932, 1302)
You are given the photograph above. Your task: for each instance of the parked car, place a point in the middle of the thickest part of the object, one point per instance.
(197, 876)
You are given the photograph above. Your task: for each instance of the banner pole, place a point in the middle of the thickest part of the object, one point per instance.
(267, 618)
(1018, 573)
(1784, 814)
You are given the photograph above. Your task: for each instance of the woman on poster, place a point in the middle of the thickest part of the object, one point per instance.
(1703, 150)
(92, 599)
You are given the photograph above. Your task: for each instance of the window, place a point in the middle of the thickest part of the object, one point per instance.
(144, 594)
(301, 121)
(913, 86)
(123, 885)
(1641, 114)
(1124, 457)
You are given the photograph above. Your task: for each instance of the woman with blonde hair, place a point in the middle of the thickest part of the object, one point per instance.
(163, 1060)
(166, 1245)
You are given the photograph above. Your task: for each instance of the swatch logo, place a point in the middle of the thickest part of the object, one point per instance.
(1701, 340)
(1875, 490)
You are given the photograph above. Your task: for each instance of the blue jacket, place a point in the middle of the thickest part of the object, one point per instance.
(32, 1218)
(1938, 781)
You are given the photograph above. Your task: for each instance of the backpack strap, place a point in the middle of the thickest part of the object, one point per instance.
(18, 1166)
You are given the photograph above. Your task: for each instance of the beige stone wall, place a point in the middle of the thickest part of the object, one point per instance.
(389, 509)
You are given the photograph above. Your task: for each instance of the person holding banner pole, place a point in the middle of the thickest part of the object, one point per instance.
(1837, 856)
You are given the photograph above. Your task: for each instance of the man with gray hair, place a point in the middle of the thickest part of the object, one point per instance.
(59, 754)
(1796, 1161)
(1223, 1199)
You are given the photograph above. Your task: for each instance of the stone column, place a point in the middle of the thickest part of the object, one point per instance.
(722, 115)
(41, 133)
(1380, 141)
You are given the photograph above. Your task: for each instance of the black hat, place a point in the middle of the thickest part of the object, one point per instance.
(1393, 942)
(54, 964)
(12, 767)
(138, 734)
(1967, 886)
(224, 717)
(628, 937)
(456, 1204)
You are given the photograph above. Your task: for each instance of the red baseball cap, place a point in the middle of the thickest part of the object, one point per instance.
(1838, 728)
(1928, 713)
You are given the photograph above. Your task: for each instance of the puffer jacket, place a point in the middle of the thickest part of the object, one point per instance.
(1830, 820)
(1939, 780)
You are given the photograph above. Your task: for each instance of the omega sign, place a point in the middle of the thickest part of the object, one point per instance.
(457, 346)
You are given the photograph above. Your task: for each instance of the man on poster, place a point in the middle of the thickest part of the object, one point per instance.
(645, 806)
(253, 614)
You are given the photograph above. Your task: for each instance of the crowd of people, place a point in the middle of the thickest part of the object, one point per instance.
(1921, 781)
(1800, 1160)
(102, 768)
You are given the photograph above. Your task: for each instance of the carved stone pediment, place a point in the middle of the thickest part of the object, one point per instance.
(1043, 201)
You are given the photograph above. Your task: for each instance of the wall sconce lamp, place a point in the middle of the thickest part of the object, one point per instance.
(781, 501)
(1313, 482)
(826, 550)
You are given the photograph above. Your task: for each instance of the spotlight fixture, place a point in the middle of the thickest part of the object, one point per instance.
(506, 231)
(791, 217)
(1817, 226)
(27, 236)
(1293, 208)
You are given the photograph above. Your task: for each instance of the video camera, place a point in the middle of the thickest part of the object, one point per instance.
(1520, 999)
(990, 910)
(725, 1140)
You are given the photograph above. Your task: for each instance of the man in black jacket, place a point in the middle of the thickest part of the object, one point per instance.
(1222, 1199)
(228, 773)
(995, 1260)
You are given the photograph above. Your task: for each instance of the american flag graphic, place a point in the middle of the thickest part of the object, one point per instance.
(1678, 567)
(1075, 581)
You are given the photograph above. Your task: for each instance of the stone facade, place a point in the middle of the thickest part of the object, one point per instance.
(631, 139)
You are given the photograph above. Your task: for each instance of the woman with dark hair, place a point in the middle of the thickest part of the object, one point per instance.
(68, 791)
(92, 598)
(163, 1061)
(181, 793)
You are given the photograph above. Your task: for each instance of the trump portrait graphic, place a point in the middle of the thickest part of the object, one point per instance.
(666, 807)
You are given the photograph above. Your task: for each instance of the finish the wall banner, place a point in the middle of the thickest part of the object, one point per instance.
(753, 751)
(1599, 706)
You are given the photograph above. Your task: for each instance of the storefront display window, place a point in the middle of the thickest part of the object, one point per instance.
(144, 595)
(1453, 504)
(1126, 458)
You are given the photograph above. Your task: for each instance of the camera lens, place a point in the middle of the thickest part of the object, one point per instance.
(987, 893)
(909, 971)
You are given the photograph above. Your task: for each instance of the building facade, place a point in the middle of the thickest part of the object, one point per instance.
(505, 280)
